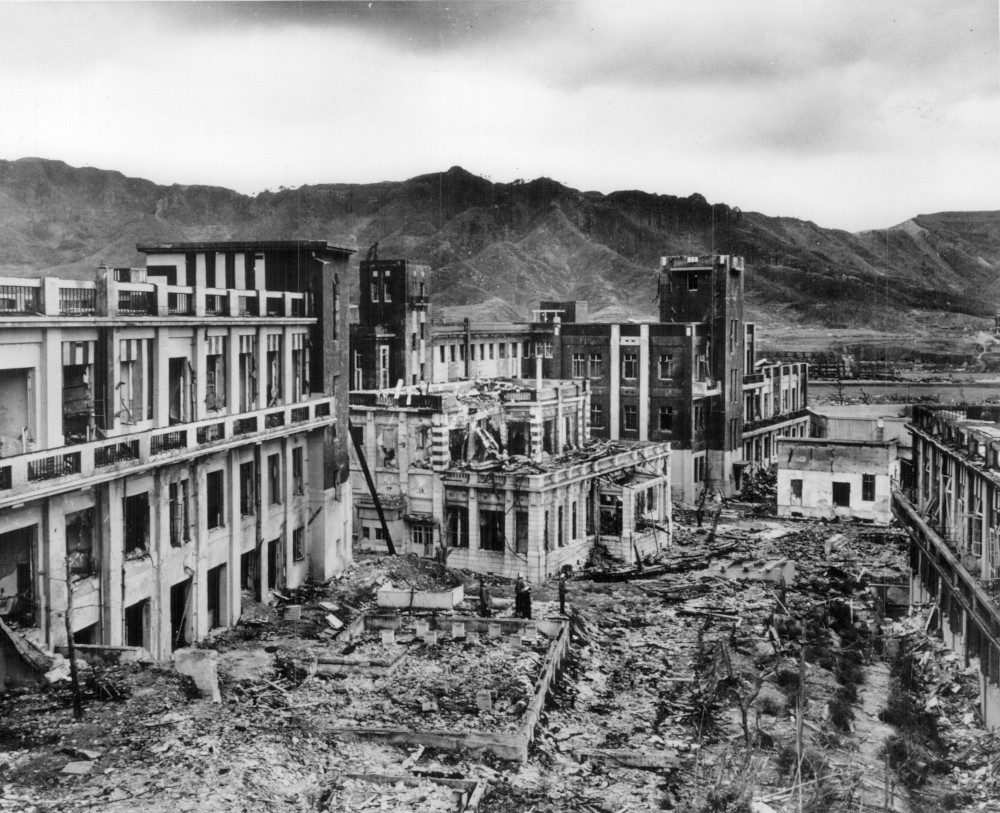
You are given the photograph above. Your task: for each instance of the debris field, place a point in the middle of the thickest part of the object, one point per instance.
(720, 683)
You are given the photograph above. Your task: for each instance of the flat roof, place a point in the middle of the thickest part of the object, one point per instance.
(243, 245)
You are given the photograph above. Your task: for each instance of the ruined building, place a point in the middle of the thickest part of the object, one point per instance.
(170, 437)
(501, 477)
(691, 379)
(952, 515)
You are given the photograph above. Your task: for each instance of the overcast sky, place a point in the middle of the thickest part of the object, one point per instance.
(854, 114)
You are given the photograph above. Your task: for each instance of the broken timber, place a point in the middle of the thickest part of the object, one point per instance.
(511, 746)
(371, 488)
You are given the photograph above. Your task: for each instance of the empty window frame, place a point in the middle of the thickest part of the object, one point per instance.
(274, 479)
(247, 501)
(666, 418)
(868, 488)
(135, 512)
(216, 498)
(491, 529)
(298, 471)
(596, 416)
(842, 494)
(579, 365)
(299, 544)
(458, 526)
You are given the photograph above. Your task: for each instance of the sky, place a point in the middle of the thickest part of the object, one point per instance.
(851, 113)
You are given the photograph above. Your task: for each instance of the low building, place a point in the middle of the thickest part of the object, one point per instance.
(827, 478)
(504, 478)
(170, 437)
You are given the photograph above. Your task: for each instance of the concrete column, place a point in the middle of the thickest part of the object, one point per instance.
(234, 520)
(197, 621)
(112, 530)
(644, 374)
(200, 364)
(48, 429)
(614, 363)
(161, 378)
(52, 586)
(287, 378)
(232, 373)
(159, 550)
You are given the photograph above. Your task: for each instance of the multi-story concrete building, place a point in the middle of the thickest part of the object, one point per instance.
(502, 476)
(170, 437)
(952, 514)
(691, 379)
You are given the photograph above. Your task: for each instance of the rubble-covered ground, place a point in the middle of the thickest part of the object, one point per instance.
(681, 691)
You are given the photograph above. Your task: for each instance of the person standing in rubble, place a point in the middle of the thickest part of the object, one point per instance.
(526, 601)
(519, 596)
(562, 594)
(485, 602)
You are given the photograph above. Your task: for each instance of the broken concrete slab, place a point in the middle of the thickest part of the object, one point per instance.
(389, 596)
(78, 768)
(627, 758)
(202, 665)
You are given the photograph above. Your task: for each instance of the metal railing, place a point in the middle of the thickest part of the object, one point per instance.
(135, 303)
(116, 453)
(211, 433)
(77, 301)
(216, 305)
(168, 441)
(48, 468)
(180, 303)
(18, 299)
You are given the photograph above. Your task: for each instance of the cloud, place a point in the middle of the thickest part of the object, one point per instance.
(755, 104)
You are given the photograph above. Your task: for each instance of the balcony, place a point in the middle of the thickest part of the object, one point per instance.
(19, 299)
(774, 420)
(112, 297)
(705, 389)
(40, 474)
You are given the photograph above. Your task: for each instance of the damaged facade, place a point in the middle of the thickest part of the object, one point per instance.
(171, 436)
(952, 514)
(690, 379)
(503, 477)
(828, 478)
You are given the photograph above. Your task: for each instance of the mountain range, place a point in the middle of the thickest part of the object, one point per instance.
(504, 246)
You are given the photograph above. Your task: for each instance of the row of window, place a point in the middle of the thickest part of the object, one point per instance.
(591, 365)
(492, 528)
(491, 350)
(630, 417)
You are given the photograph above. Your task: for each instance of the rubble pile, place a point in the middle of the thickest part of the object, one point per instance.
(753, 671)
(437, 686)
(361, 794)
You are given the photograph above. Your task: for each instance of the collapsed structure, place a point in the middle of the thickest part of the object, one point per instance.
(501, 477)
(171, 436)
(691, 379)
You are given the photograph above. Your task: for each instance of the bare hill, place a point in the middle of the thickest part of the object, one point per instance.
(517, 242)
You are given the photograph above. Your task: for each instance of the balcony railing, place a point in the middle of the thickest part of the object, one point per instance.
(168, 441)
(127, 292)
(211, 433)
(116, 453)
(57, 465)
(216, 305)
(180, 303)
(135, 303)
(781, 417)
(272, 420)
(18, 299)
(33, 473)
(77, 301)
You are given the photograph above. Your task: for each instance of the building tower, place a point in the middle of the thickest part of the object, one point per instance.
(709, 290)
(391, 339)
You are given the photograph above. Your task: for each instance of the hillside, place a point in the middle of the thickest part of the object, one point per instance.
(519, 241)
